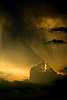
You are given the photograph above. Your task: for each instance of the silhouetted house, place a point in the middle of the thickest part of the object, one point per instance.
(41, 73)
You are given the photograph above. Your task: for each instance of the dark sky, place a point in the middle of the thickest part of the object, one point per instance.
(34, 27)
(21, 25)
(40, 8)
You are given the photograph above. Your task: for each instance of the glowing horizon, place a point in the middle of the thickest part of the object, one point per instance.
(12, 72)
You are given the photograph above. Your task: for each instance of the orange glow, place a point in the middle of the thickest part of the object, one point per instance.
(13, 72)
(47, 23)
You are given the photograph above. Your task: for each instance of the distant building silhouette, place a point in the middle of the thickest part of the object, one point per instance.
(42, 73)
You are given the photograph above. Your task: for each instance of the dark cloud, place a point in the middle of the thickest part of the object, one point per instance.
(61, 29)
(44, 7)
(54, 41)
(23, 12)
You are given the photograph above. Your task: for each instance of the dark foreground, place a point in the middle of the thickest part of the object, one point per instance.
(25, 90)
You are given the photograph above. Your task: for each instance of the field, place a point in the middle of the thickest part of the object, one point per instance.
(26, 90)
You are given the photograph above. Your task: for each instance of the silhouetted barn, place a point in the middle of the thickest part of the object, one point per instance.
(38, 74)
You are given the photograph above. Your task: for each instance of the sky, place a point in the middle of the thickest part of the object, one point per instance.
(16, 57)
(39, 19)
(23, 25)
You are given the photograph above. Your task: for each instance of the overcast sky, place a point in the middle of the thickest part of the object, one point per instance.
(22, 28)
